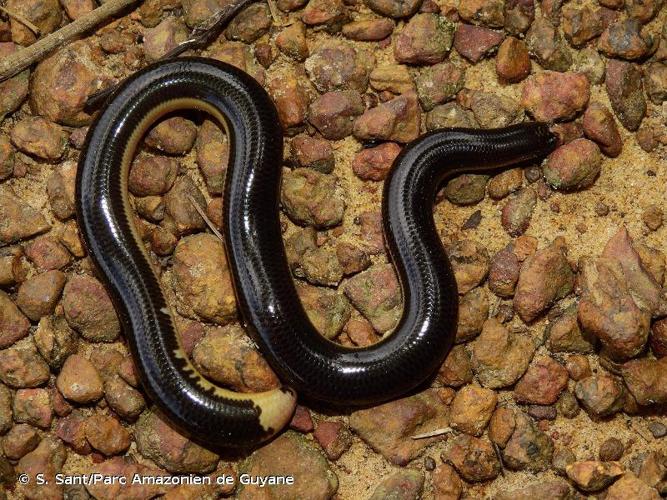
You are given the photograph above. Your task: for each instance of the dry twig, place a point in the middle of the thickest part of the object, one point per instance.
(18, 61)
(21, 19)
(208, 221)
(437, 432)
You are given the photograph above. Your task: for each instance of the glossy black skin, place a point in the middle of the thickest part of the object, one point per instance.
(317, 368)
(322, 370)
(106, 231)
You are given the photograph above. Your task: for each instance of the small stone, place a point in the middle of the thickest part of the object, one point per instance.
(470, 263)
(375, 163)
(457, 368)
(60, 188)
(425, 39)
(290, 96)
(157, 440)
(327, 309)
(471, 409)
(561, 459)
(611, 450)
(164, 37)
(394, 8)
(581, 23)
(466, 189)
(61, 84)
(551, 96)
(291, 41)
(291, 454)
(473, 312)
(545, 277)
(504, 273)
(656, 82)
(589, 62)
(250, 24)
(123, 399)
(376, 293)
(333, 113)
(645, 378)
(622, 39)
(592, 475)
(403, 485)
(173, 136)
(212, 155)
(38, 296)
(39, 137)
(396, 120)
(152, 175)
(567, 405)
(14, 90)
(334, 438)
(625, 90)
(302, 421)
(33, 406)
(599, 126)
(225, 356)
(490, 109)
(312, 198)
(179, 205)
(450, 115)
(473, 458)
(475, 42)
(79, 381)
(47, 459)
(512, 61)
(546, 43)
(439, 83)
(519, 15)
(518, 212)
(657, 429)
(13, 324)
(202, 278)
(369, 30)
(47, 253)
(22, 367)
(483, 12)
(658, 338)
(127, 467)
(19, 441)
(6, 415)
(573, 166)
(653, 217)
(361, 332)
(46, 15)
(395, 78)
(498, 358)
(388, 428)
(565, 335)
(542, 383)
(529, 448)
(600, 395)
(338, 65)
(89, 310)
(446, 483)
(608, 311)
(501, 426)
(630, 486)
(554, 490)
(107, 435)
(72, 431)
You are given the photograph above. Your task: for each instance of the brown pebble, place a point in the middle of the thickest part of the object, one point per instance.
(512, 61)
(79, 381)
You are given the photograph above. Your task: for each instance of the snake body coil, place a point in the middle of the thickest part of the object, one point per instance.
(317, 368)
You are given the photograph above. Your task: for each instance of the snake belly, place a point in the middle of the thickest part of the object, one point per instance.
(317, 368)
(210, 414)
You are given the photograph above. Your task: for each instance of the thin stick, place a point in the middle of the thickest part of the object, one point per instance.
(18, 61)
(437, 432)
(208, 221)
(21, 19)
